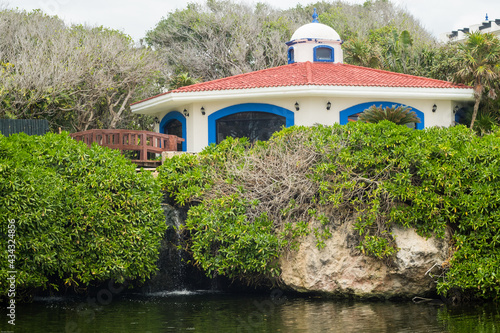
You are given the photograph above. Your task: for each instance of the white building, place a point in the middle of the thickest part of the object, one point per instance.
(491, 26)
(315, 87)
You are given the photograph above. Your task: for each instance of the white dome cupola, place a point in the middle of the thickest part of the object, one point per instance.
(315, 42)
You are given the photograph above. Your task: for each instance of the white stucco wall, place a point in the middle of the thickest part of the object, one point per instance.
(304, 51)
(312, 111)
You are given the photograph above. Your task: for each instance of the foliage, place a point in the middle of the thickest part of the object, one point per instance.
(249, 210)
(82, 215)
(221, 38)
(224, 241)
(76, 77)
(479, 58)
(186, 178)
(358, 52)
(181, 80)
(430, 187)
(371, 176)
(400, 115)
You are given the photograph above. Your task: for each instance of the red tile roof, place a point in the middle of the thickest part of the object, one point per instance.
(316, 74)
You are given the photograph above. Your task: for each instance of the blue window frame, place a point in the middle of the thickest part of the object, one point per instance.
(168, 119)
(324, 53)
(288, 115)
(291, 55)
(351, 113)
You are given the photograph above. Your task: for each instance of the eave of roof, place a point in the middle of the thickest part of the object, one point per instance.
(311, 79)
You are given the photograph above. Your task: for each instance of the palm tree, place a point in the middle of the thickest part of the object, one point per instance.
(360, 52)
(181, 80)
(479, 61)
(400, 115)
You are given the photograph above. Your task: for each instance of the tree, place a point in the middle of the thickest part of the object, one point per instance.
(181, 80)
(479, 59)
(221, 38)
(359, 52)
(77, 77)
(81, 215)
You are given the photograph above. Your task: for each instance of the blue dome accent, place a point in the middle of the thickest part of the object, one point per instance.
(315, 16)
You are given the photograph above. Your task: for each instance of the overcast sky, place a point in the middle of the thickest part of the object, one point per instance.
(135, 17)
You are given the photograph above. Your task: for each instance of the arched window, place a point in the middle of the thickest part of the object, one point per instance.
(255, 121)
(252, 125)
(291, 55)
(175, 123)
(324, 53)
(174, 127)
(352, 113)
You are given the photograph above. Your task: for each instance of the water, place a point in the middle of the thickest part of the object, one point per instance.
(203, 311)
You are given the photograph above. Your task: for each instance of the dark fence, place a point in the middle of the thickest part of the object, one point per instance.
(28, 126)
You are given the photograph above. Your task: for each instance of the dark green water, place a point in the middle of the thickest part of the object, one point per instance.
(219, 312)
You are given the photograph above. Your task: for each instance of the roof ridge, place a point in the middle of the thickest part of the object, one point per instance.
(400, 74)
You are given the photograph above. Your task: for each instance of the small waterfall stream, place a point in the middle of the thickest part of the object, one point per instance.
(174, 274)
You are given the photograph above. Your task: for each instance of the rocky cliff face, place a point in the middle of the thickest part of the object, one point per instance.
(340, 269)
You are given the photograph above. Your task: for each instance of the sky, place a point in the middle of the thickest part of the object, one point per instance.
(135, 17)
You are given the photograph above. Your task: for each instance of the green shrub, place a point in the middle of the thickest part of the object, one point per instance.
(257, 203)
(81, 214)
(399, 115)
(225, 242)
(186, 177)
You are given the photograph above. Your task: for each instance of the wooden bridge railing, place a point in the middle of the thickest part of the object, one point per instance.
(122, 139)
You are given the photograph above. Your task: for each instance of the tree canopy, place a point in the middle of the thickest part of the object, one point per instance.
(479, 57)
(77, 77)
(81, 77)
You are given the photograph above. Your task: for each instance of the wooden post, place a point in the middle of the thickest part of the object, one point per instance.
(144, 154)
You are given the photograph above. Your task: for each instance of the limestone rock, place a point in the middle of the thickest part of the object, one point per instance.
(340, 269)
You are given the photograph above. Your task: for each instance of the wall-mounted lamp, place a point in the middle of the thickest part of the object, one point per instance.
(202, 110)
(455, 109)
(156, 120)
(297, 106)
(434, 108)
(186, 113)
(328, 105)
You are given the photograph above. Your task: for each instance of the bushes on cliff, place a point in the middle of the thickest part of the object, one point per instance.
(376, 175)
(81, 215)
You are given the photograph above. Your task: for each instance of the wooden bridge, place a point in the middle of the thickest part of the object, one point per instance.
(143, 141)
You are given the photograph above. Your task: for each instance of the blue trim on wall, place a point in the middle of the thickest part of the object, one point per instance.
(291, 55)
(325, 47)
(344, 114)
(247, 107)
(175, 115)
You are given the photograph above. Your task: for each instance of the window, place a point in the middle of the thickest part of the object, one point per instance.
(174, 127)
(354, 117)
(352, 113)
(252, 125)
(174, 123)
(323, 53)
(291, 55)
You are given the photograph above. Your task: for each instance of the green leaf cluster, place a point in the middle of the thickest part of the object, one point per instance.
(400, 115)
(433, 180)
(225, 242)
(439, 181)
(82, 215)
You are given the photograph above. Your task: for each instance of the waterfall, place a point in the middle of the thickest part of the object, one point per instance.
(174, 274)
